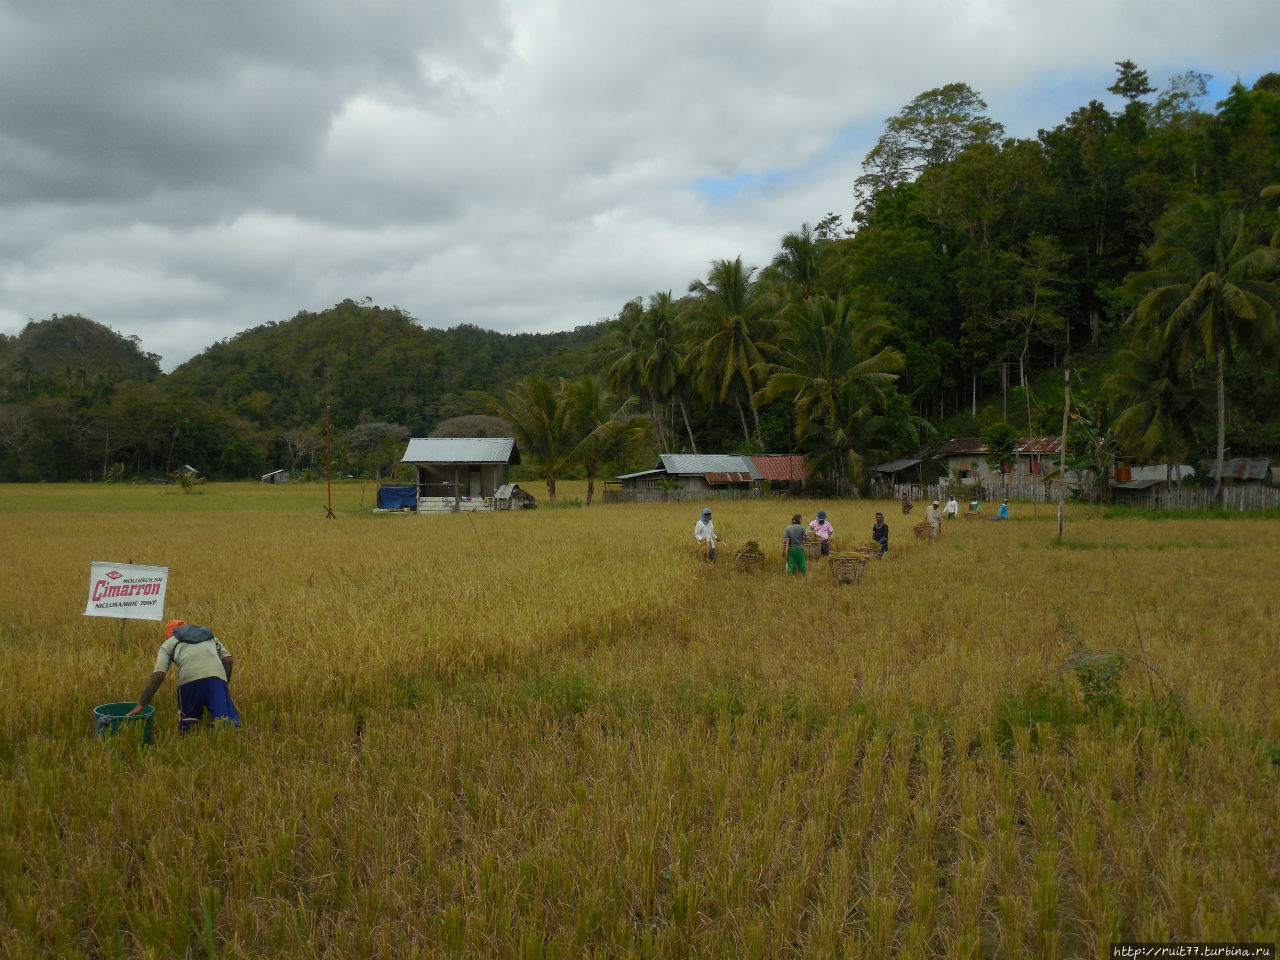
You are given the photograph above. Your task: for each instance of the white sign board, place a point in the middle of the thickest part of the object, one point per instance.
(127, 590)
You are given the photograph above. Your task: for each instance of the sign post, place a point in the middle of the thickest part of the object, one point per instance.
(130, 591)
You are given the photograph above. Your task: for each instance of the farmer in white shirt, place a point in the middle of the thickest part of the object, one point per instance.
(204, 670)
(704, 532)
(952, 509)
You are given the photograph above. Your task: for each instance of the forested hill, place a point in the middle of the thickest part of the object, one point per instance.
(375, 363)
(71, 352)
(1135, 244)
(79, 401)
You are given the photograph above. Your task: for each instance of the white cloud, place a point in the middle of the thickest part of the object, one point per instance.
(187, 171)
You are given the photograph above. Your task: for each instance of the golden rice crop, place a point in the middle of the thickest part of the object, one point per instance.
(560, 733)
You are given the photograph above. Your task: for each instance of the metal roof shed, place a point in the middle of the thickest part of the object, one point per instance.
(467, 450)
(695, 464)
(460, 469)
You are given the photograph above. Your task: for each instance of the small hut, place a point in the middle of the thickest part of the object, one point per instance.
(509, 496)
(460, 473)
(276, 476)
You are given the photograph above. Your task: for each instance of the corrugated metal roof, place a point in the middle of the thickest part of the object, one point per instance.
(960, 447)
(973, 446)
(728, 477)
(893, 466)
(461, 450)
(788, 467)
(1046, 445)
(704, 463)
(1237, 468)
(1137, 484)
(641, 473)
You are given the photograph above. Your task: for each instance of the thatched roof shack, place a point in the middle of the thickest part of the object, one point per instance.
(460, 473)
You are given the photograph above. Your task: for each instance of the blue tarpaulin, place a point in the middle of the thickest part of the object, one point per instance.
(396, 498)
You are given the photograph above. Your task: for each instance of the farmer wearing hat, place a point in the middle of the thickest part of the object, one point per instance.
(704, 531)
(823, 529)
(934, 516)
(204, 670)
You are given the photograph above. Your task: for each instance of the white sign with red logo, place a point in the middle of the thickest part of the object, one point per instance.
(127, 590)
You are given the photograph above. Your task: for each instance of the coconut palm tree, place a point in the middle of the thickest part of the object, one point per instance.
(1209, 292)
(1155, 408)
(794, 274)
(652, 362)
(606, 427)
(828, 360)
(666, 367)
(539, 417)
(724, 322)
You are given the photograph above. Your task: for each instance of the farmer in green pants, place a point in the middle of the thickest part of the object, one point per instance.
(793, 544)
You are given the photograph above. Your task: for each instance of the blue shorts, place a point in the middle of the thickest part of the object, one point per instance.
(197, 696)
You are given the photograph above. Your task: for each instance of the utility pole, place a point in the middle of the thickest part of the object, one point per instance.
(1062, 453)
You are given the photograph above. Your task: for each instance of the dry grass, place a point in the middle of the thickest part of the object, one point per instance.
(558, 733)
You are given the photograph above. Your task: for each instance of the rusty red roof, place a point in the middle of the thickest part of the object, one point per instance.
(1237, 468)
(728, 477)
(780, 466)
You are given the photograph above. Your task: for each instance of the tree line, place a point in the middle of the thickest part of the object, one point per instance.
(1134, 249)
(1129, 250)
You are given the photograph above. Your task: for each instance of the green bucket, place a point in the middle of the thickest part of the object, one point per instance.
(108, 718)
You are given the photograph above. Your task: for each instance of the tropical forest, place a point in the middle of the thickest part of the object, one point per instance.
(1119, 272)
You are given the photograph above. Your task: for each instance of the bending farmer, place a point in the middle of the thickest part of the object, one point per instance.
(204, 670)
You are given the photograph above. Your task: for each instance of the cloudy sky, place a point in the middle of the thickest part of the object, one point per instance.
(183, 171)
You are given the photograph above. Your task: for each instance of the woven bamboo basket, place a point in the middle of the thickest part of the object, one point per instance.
(920, 531)
(846, 568)
(749, 562)
(973, 515)
(869, 549)
(813, 548)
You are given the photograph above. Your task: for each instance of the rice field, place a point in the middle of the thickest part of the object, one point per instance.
(559, 733)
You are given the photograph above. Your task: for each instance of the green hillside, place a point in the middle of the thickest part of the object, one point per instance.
(1135, 246)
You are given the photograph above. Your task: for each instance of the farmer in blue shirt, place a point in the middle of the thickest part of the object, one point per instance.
(204, 671)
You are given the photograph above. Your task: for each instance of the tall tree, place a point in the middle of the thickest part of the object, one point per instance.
(929, 131)
(1041, 275)
(607, 427)
(1155, 408)
(652, 362)
(795, 273)
(724, 318)
(1209, 293)
(829, 361)
(540, 420)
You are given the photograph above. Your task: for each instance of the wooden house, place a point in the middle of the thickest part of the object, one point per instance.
(276, 476)
(966, 460)
(678, 476)
(460, 473)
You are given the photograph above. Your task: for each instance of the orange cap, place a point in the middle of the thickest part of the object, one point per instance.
(169, 627)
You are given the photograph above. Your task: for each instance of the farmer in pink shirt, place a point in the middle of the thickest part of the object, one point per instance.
(823, 530)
